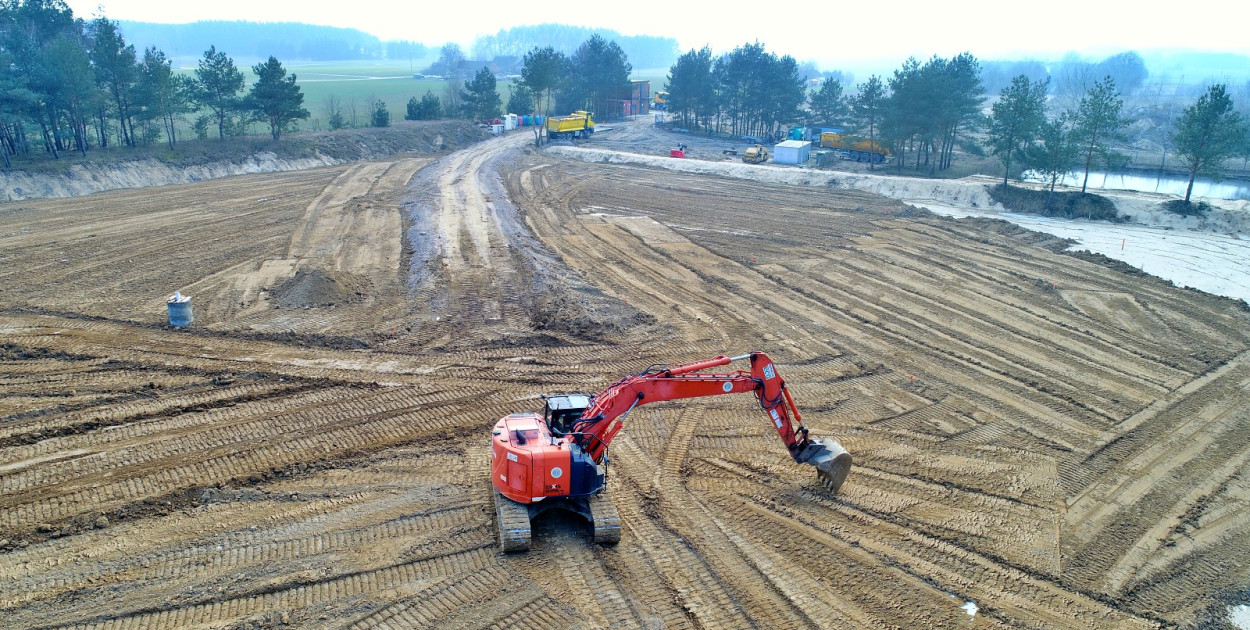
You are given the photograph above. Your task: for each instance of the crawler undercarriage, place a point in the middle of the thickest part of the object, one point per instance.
(514, 519)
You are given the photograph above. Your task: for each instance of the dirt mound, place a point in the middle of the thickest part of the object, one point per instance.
(315, 288)
(587, 316)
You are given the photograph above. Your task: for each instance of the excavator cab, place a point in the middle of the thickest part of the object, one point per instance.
(563, 411)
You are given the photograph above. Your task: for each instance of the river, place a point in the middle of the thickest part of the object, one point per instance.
(1167, 184)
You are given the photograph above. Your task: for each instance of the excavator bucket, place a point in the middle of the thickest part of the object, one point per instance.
(832, 462)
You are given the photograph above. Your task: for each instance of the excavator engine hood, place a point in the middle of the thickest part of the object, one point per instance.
(528, 464)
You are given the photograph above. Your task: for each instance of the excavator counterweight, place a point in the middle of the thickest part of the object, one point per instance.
(559, 459)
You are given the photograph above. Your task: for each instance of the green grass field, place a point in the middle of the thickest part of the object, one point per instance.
(360, 82)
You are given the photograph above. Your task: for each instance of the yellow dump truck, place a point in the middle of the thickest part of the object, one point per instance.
(857, 149)
(660, 101)
(579, 124)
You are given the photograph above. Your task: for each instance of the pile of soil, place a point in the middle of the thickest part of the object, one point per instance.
(314, 288)
(586, 314)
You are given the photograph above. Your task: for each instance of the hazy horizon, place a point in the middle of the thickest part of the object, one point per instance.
(850, 36)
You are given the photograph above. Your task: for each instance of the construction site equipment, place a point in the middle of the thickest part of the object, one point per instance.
(757, 154)
(179, 307)
(857, 149)
(792, 152)
(579, 124)
(559, 460)
(659, 101)
(679, 152)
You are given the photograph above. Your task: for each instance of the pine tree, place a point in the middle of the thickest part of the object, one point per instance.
(1055, 152)
(599, 73)
(275, 98)
(379, 115)
(867, 106)
(1097, 121)
(543, 71)
(480, 100)
(1208, 132)
(115, 64)
(1016, 119)
(217, 86)
(827, 104)
(521, 101)
(161, 93)
(691, 87)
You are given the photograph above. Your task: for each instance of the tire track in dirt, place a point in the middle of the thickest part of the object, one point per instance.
(242, 449)
(465, 264)
(336, 475)
(682, 512)
(453, 568)
(1154, 476)
(158, 238)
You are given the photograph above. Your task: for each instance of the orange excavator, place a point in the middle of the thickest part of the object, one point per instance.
(559, 460)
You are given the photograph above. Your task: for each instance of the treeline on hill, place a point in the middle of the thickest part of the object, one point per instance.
(643, 51)
(921, 111)
(285, 40)
(71, 85)
(594, 75)
(1050, 123)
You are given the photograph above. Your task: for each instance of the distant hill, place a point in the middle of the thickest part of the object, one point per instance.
(246, 42)
(1197, 66)
(288, 41)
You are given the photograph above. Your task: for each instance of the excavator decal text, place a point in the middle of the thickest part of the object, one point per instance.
(769, 372)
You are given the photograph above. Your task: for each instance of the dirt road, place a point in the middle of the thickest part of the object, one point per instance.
(1057, 442)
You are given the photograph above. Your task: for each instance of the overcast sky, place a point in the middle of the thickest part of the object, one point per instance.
(831, 33)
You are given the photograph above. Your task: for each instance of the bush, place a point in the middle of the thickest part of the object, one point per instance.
(201, 127)
(1187, 208)
(1070, 205)
(381, 117)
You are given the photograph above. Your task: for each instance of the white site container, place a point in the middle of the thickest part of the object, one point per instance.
(509, 122)
(792, 152)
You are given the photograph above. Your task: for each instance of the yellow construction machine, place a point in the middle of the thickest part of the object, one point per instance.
(757, 154)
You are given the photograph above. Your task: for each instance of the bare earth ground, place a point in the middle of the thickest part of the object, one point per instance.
(1060, 442)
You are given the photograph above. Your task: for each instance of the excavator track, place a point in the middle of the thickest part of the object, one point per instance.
(605, 520)
(513, 520)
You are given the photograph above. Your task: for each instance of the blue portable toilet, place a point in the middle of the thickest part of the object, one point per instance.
(179, 309)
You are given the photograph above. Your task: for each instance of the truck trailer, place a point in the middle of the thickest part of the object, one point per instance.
(579, 124)
(856, 149)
